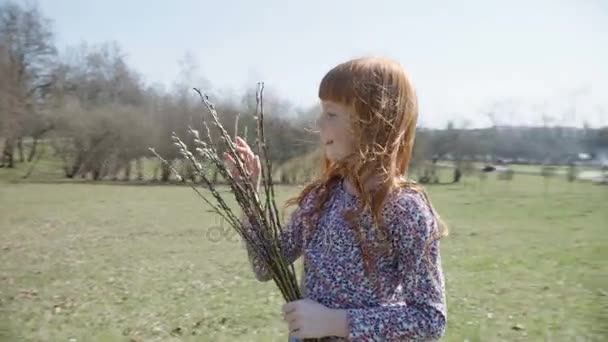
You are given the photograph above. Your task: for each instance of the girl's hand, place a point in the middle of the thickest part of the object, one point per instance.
(309, 319)
(251, 162)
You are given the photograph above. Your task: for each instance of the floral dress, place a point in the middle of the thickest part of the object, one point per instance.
(403, 298)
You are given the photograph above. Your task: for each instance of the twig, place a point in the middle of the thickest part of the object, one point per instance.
(263, 229)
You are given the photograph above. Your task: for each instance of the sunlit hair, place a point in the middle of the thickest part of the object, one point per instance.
(385, 110)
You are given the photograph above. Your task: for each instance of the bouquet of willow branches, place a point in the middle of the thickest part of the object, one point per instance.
(262, 227)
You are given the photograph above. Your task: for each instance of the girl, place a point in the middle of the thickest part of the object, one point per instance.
(372, 269)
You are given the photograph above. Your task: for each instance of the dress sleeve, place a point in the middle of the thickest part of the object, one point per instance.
(291, 242)
(420, 313)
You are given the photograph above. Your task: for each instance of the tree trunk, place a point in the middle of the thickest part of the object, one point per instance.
(36, 136)
(127, 171)
(66, 171)
(32, 153)
(96, 173)
(8, 153)
(35, 162)
(140, 169)
(155, 175)
(104, 170)
(457, 175)
(165, 172)
(20, 149)
(72, 172)
(115, 171)
(113, 168)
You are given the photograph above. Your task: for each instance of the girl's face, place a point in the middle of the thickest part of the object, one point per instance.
(335, 130)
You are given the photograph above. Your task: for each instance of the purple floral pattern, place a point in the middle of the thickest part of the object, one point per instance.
(409, 303)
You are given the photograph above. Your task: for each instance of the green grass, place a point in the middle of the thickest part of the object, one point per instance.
(118, 262)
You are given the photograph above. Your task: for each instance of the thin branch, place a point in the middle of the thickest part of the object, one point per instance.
(262, 228)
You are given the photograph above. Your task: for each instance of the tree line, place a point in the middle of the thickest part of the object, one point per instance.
(95, 111)
(98, 117)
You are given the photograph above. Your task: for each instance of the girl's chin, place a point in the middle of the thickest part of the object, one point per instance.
(332, 158)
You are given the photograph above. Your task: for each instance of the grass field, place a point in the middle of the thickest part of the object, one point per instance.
(86, 262)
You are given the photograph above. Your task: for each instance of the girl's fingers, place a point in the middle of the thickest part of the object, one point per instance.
(293, 327)
(295, 332)
(247, 153)
(289, 307)
(231, 164)
(239, 144)
(228, 156)
(234, 171)
(228, 159)
(231, 160)
(241, 148)
(251, 162)
(242, 143)
(289, 317)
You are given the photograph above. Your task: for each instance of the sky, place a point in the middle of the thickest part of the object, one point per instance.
(521, 59)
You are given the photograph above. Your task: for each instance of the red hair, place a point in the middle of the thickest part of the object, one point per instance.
(385, 110)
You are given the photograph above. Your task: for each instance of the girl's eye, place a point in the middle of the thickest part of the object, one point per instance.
(331, 115)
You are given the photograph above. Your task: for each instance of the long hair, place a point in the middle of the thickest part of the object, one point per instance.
(385, 110)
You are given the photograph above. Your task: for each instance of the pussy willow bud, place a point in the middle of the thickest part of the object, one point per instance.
(203, 152)
(195, 134)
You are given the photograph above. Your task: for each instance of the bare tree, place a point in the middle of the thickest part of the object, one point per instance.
(101, 119)
(28, 42)
(5, 92)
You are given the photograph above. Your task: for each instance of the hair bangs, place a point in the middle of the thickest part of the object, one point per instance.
(338, 85)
